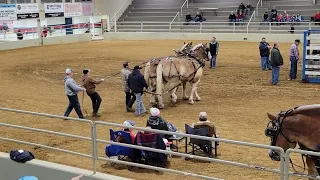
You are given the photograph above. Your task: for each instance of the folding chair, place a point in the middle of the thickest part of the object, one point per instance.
(151, 140)
(198, 145)
(120, 151)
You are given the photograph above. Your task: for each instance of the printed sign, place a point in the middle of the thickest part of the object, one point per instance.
(26, 11)
(8, 12)
(86, 9)
(53, 10)
(6, 24)
(72, 9)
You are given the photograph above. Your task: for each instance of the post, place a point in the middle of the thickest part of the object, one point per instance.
(61, 30)
(269, 27)
(40, 38)
(248, 29)
(180, 12)
(187, 3)
(94, 147)
(234, 27)
(286, 165)
(170, 27)
(282, 163)
(4, 35)
(141, 26)
(115, 23)
(309, 25)
(200, 27)
(179, 17)
(78, 29)
(261, 3)
(254, 15)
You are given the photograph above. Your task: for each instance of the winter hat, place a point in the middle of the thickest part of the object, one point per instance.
(129, 123)
(203, 116)
(154, 112)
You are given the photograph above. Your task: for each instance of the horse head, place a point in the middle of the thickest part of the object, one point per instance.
(185, 49)
(201, 51)
(278, 129)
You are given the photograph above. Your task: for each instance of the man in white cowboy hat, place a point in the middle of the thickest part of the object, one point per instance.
(72, 90)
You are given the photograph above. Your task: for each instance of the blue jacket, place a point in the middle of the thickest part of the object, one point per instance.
(264, 50)
(136, 81)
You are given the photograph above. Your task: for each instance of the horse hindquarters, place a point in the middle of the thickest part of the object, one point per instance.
(159, 85)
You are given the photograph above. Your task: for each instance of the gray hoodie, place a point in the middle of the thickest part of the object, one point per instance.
(71, 87)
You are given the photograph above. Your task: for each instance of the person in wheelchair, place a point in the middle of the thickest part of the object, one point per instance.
(204, 122)
(155, 121)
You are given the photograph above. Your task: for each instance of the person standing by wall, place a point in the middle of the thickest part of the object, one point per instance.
(72, 90)
(90, 84)
(294, 58)
(276, 62)
(214, 49)
(136, 83)
(264, 48)
(130, 97)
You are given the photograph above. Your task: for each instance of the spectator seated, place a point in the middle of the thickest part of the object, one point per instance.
(199, 18)
(151, 140)
(232, 17)
(188, 19)
(248, 10)
(265, 17)
(119, 151)
(241, 8)
(240, 17)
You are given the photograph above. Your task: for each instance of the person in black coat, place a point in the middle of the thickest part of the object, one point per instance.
(137, 83)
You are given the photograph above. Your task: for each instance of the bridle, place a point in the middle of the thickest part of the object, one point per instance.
(276, 129)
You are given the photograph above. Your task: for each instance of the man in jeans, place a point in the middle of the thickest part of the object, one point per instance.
(136, 83)
(72, 90)
(276, 62)
(264, 48)
(294, 57)
(130, 97)
(90, 84)
(214, 49)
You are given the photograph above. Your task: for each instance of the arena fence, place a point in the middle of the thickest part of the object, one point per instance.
(283, 170)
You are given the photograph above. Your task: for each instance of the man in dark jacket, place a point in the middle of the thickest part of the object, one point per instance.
(264, 48)
(136, 83)
(214, 49)
(276, 62)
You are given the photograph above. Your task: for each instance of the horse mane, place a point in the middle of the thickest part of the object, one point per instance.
(197, 46)
(308, 110)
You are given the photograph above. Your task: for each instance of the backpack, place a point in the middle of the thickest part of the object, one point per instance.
(21, 156)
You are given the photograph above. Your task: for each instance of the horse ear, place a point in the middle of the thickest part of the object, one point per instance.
(271, 117)
(205, 44)
(191, 43)
(184, 42)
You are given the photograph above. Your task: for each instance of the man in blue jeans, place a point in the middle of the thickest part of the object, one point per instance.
(294, 58)
(136, 83)
(264, 48)
(276, 62)
(214, 49)
(72, 90)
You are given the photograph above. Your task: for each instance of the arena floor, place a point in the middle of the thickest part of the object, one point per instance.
(237, 95)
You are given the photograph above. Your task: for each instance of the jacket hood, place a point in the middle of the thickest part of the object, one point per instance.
(154, 120)
(135, 72)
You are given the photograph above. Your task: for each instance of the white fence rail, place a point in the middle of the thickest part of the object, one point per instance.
(282, 171)
(186, 3)
(215, 27)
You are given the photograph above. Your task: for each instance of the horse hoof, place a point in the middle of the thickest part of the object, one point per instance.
(186, 98)
(198, 99)
(191, 102)
(173, 102)
(160, 107)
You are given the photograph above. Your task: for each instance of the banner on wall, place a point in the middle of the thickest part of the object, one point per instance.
(53, 10)
(8, 12)
(27, 11)
(72, 9)
(8, 24)
(86, 9)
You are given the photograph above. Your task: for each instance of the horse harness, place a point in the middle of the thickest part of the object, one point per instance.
(276, 129)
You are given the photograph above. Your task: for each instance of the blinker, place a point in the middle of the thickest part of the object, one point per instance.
(270, 132)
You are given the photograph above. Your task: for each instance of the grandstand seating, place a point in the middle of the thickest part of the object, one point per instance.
(156, 15)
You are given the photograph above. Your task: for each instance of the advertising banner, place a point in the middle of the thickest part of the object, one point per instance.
(8, 12)
(72, 9)
(53, 10)
(27, 11)
(86, 9)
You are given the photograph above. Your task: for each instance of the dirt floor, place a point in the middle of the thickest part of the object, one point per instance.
(236, 95)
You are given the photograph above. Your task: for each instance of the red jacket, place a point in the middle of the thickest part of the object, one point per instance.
(317, 16)
(240, 16)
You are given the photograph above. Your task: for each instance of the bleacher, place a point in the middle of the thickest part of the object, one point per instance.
(158, 16)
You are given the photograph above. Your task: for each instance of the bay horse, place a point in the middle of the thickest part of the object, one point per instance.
(150, 73)
(181, 70)
(300, 125)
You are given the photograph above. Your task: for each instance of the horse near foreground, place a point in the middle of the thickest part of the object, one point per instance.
(300, 125)
(151, 68)
(180, 70)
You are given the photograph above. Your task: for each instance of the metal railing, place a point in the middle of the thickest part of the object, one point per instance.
(216, 27)
(186, 2)
(257, 6)
(253, 15)
(174, 18)
(114, 18)
(95, 155)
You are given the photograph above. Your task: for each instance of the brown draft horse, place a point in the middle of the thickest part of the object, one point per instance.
(300, 125)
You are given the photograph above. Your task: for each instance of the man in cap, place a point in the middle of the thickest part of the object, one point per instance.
(130, 97)
(294, 58)
(137, 83)
(264, 48)
(90, 84)
(276, 62)
(72, 90)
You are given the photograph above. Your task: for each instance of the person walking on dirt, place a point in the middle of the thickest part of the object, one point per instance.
(72, 90)
(136, 83)
(130, 97)
(264, 48)
(90, 84)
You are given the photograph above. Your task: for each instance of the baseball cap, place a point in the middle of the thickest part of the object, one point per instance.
(137, 67)
(85, 71)
(297, 40)
(69, 71)
(126, 63)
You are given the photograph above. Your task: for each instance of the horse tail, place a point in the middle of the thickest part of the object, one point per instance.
(147, 73)
(159, 78)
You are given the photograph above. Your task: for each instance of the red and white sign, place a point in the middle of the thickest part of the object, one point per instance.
(72, 9)
(86, 9)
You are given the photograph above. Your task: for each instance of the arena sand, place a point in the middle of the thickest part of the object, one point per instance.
(237, 95)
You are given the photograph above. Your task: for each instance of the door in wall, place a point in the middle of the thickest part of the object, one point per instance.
(69, 28)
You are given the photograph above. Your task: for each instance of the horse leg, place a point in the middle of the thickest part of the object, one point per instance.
(196, 93)
(174, 97)
(312, 170)
(184, 92)
(193, 89)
